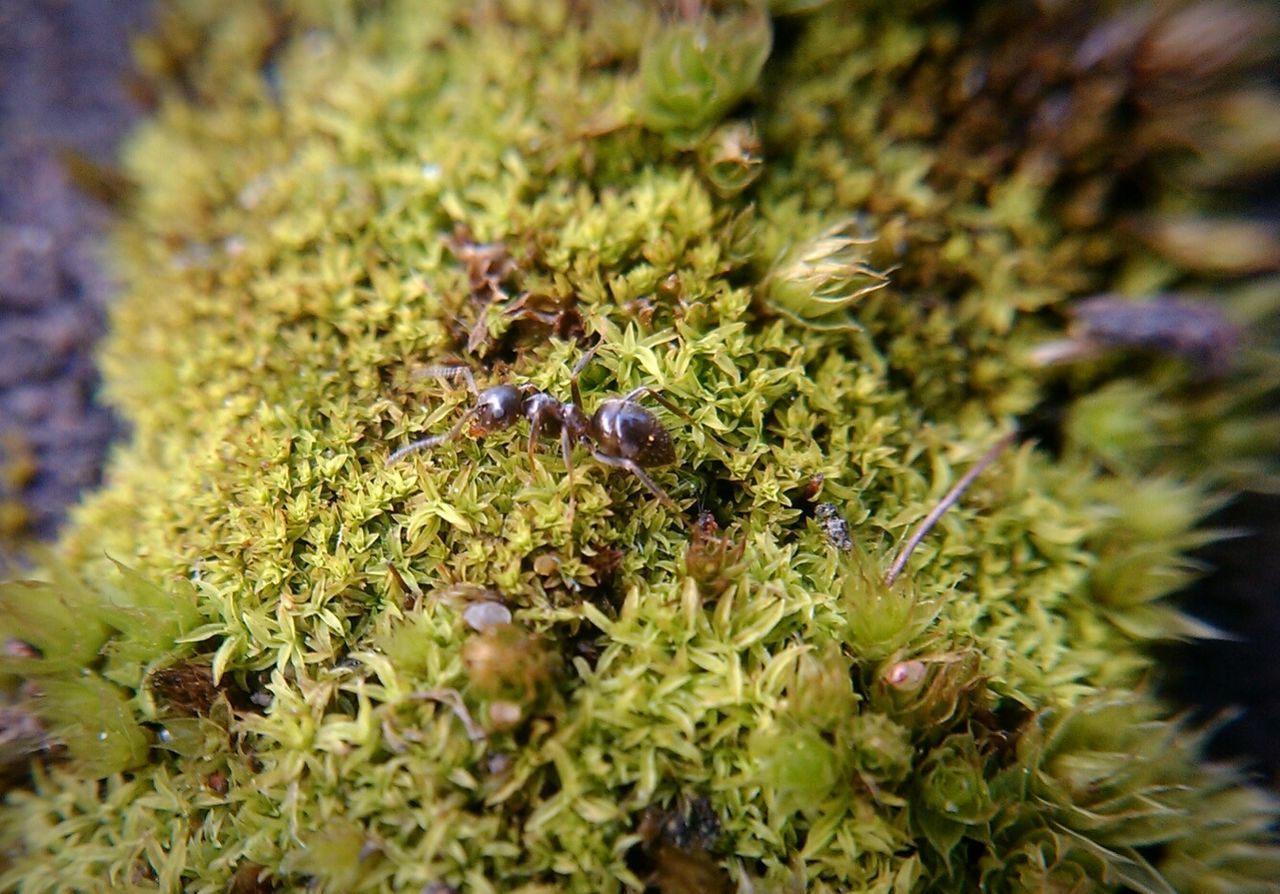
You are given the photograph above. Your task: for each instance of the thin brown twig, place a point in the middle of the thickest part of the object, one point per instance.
(949, 500)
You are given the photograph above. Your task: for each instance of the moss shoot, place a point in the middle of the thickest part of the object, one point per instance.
(834, 234)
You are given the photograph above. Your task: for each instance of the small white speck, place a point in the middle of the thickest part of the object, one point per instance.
(255, 191)
(430, 172)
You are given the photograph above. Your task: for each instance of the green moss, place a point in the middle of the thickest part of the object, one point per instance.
(302, 700)
(692, 73)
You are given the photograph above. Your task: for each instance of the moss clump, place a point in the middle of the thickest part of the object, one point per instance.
(337, 197)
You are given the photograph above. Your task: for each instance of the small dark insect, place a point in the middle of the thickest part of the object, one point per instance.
(834, 526)
(1168, 324)
(621, 433)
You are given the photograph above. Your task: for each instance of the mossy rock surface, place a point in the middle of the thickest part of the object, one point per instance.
(833, 237)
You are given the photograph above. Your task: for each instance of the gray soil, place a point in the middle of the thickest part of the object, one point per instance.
(62, 90)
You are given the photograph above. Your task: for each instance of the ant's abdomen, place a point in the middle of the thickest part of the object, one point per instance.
(627, 430)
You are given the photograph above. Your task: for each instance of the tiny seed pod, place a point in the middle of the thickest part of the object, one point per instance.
(217, 782)
(730, 158)
(928, 692)
(906, 675)
(816, 282)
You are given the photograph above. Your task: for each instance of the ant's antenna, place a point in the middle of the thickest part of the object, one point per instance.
(450, 371)
(444, 371)
(577, 368)
(433, 440)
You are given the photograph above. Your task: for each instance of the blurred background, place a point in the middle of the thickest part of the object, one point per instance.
(65, 103)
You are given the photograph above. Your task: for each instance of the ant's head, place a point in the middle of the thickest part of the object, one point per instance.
(496, 408)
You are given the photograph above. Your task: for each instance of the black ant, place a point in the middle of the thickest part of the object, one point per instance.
(620, 433)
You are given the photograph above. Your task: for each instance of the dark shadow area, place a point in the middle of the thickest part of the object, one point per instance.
(1241, 595)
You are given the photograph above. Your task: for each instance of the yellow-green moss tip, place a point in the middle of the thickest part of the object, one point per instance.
(833, 237)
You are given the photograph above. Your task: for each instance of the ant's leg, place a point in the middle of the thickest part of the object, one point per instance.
(536, 407)
(585, 358)
(535, 429)
(566, 446)
(636, 393)
(432, 441)
(620, 462)
(577, 368)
